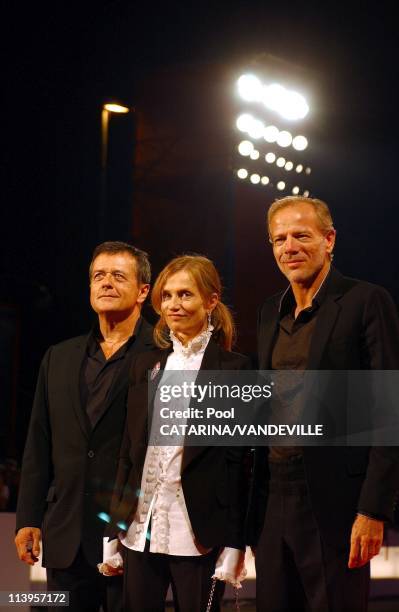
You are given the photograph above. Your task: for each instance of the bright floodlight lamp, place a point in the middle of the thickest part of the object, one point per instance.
(255, 178)
(306, 193)
(280, 162)
(273, 96)
(284, 139)
(250, 88)
(265, 180)
(299, 168)
(116, 108)
(256, 129)
(254, 154)
(293, 106)
(242, 173)
(245, 147)
(289, 165)
(244, 122)
(280, 185)
(300, 143)
(295, 190)
(270, 133)
(290, 105)
(270, 158)
(308, 170)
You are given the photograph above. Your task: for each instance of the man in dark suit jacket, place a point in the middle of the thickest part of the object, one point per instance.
(75, 431)
(317, 513)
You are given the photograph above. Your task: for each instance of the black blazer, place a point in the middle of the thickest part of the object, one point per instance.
(213, 478)
(357, 328)
(69, 469)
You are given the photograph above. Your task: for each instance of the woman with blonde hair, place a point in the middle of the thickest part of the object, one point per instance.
(183, 506)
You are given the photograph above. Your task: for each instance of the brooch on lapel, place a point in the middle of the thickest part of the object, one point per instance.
(155, 370)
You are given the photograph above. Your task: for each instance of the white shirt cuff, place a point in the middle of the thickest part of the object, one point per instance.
(111, 555)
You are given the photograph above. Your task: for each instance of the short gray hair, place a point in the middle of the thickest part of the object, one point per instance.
(321, 209)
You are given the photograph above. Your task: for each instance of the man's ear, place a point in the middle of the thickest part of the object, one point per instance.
(330, 240)
(143, 292)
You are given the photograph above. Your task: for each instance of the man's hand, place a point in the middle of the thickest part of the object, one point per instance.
(27, 542)
(366, 540)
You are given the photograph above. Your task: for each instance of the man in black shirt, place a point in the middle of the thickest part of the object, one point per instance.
(75, 431)
(318, 513)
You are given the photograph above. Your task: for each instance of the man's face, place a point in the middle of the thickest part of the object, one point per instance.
(113, 284)
(300, 247)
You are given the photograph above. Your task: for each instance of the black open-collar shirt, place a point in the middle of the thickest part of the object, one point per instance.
(291, 351)
(99, 373)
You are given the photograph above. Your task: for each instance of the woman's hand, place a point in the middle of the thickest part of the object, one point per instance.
(230, 566)
(112, 564)
(109, 570)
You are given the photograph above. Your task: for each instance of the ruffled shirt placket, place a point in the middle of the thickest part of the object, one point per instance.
(161, 500)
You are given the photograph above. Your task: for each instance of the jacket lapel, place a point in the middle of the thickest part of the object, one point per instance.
(152, 384)
(74, 368)
(324, 325)
(326, 318)
(141, 400)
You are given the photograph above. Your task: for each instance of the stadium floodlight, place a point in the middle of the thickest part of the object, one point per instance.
(273, 96)
(306, 193)
(289, 104)
(250, 88)
(244, 122)
(256, 129)
(284, 139)
(300, 143)
(294, 106)
(270, 133)
(266, 121)
(245, 147)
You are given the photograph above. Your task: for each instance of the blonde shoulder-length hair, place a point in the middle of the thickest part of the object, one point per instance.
(208, 282)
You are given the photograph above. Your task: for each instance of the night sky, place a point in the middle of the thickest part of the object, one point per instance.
(60, 66)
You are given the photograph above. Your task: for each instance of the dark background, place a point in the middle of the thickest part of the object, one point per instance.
(170, 174)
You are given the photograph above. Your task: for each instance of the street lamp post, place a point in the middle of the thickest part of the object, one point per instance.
(107, 109)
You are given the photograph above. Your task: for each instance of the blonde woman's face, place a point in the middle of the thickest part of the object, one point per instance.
(184, 309)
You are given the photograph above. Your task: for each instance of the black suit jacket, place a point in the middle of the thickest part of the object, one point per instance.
(68, 469)
(357, 328)
(213, 478)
